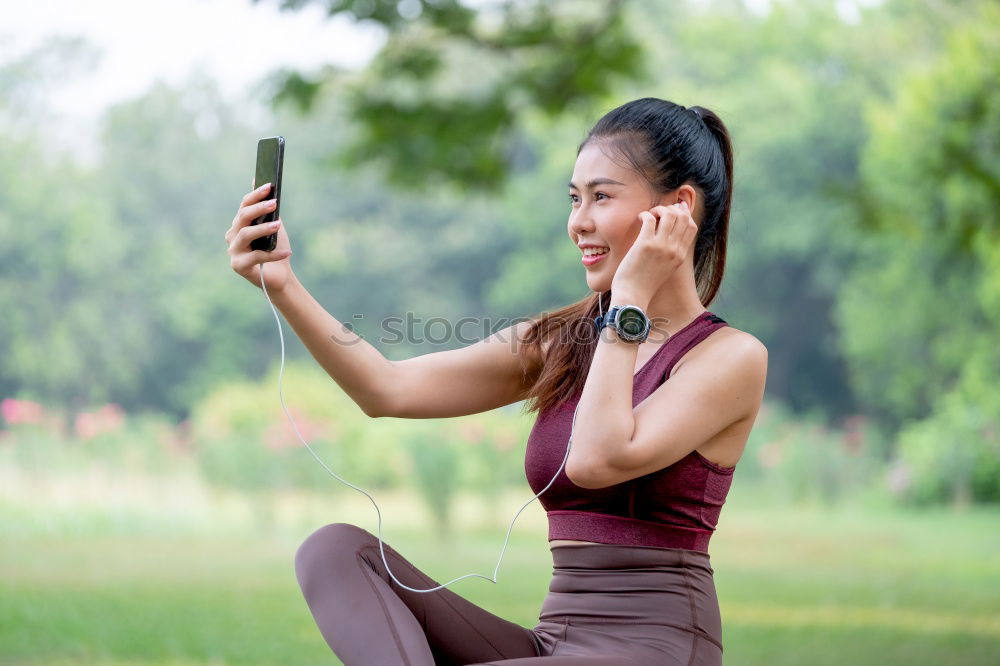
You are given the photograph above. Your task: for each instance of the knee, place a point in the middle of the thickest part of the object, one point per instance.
(329, 547)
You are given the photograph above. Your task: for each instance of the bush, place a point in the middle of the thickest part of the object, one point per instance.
(435, 456)
(801, 458)
(54, 441)
(952, 456)
(245, 440)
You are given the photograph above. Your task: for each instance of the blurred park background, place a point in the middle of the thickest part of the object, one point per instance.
(152, 491)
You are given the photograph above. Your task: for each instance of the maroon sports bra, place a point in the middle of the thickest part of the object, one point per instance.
(675, 507)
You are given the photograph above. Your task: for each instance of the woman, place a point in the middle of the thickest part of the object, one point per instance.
(631, 513)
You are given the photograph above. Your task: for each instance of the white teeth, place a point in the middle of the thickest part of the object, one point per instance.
(591, 251)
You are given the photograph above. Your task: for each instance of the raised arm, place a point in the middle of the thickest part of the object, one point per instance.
(476, 378)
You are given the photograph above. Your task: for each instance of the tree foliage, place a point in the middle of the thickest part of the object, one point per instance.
(443, 97)
(864, 246)
(920, 312)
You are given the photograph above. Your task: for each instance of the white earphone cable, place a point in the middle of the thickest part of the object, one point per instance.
(379, 513)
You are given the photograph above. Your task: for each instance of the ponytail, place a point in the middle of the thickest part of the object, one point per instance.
(713, 236)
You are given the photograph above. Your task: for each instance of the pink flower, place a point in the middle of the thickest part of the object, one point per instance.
(109, 418)
(85, 426)
(282, 435)
(21, 411)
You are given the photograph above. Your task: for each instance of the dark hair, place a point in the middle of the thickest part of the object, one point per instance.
(669, 145)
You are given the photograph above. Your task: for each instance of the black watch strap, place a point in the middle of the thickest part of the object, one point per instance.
(600, 321)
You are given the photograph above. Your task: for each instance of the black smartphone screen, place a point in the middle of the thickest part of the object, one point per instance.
(270, 157)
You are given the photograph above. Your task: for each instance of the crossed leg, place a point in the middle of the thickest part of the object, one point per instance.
(367, 618)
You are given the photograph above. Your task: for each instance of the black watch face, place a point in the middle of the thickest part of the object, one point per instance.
(632, 322)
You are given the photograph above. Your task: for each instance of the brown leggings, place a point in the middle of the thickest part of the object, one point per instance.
(607, 605)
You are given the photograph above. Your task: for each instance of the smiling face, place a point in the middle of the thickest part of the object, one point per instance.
(606, 199)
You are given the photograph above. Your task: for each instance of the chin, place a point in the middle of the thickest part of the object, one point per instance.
(596, 283)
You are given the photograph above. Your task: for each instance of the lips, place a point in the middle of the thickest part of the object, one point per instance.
(594, 258)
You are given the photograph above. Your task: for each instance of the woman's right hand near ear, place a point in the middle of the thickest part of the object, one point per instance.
(245, 260)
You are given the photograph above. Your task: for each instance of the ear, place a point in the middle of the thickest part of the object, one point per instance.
(684, 193)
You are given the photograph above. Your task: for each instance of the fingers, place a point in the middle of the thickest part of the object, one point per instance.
(242, 262)
(249, 212)
(690, 229)
(679, 208)
(251, 207)
(671, 216)
(243, 237)
(690, 226)
(668, 217)
(255, 194)
(648, 224)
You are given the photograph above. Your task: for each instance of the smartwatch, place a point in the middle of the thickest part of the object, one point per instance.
(629, 321)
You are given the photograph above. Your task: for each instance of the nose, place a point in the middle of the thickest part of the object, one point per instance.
(580, 222)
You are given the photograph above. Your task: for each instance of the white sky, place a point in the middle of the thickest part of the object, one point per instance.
(234, 41)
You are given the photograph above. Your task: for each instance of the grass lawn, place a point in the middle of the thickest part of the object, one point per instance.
(797, 585)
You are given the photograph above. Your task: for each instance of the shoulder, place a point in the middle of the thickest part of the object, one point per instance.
(731, 346)
(732, 364)
(739, 347)
(744, 344)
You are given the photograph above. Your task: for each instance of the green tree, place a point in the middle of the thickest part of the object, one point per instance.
(55, 292)
(920, 313)
(443, 97)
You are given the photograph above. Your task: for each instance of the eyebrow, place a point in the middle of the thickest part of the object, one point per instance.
(597, 181)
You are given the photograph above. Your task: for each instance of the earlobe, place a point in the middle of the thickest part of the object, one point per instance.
(688, 194)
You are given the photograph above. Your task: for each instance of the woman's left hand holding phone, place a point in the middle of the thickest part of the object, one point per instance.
(243, 259)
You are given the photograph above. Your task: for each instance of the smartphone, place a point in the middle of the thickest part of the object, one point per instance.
(270, 157)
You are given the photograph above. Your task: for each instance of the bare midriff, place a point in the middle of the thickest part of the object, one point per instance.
(561, 542)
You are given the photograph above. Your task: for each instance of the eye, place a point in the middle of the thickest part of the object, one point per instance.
(572, 198)
(601, 194)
